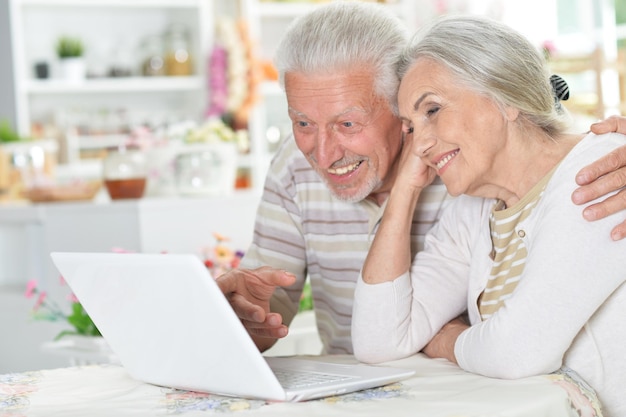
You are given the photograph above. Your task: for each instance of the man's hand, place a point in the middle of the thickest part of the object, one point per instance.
(603, 176)
(442, 344)
(249, 293)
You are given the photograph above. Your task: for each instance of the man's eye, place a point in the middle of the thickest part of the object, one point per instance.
(347, 124)
(302, 124)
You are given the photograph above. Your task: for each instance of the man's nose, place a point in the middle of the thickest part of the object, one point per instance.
(326, 148)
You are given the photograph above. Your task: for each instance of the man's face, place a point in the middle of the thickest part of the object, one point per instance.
(348, 134)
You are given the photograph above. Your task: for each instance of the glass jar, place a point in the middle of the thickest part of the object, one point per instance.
(153, 61)
(197, 173)
(208, 169)
(178, 59)
(124, 172)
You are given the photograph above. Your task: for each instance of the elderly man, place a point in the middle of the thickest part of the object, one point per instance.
(327, 186)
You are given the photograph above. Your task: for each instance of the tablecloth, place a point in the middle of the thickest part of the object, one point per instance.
(439, 388)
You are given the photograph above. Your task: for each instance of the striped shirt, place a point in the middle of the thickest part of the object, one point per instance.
(509, 252)
(302, 228)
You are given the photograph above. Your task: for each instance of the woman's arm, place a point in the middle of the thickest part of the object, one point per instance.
(571, 270)
(390, 253)
(385, 300)
(395, 319)
(442, 344)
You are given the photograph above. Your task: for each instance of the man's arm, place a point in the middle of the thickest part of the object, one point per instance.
(603, 176)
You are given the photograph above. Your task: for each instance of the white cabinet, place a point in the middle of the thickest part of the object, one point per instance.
(29, 232)
(114, 33)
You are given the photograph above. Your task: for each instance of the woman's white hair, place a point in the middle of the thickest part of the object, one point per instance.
(492, 59)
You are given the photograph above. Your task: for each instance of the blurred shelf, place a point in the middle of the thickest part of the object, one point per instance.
(278, 9)
(284, 9)
(115, 85)
(113, 3)
(271, 88)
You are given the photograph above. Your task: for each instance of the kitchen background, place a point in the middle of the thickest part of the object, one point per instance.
(148, 125)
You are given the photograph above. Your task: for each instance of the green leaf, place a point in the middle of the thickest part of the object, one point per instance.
(7, 134)
(82, 322)
(306, 300)
(68, 47)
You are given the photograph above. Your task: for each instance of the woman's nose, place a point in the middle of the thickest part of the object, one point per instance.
(422, 143)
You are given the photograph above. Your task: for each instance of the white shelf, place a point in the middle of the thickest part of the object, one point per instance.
(277, 9)
(295, 9)
(100, 141)
(271, 88)
(40, 100)
(115, 85)
(113, 3)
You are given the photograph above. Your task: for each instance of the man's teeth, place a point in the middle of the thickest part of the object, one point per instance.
(344, 170)
(445, 160)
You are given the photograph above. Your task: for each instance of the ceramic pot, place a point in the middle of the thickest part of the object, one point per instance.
(73, 70)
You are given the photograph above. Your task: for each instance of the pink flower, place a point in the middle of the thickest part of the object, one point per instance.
(119, 250)
(31, 288)
(72, 298)
(40, 300)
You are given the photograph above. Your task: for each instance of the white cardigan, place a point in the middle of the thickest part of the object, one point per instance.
(568, 309)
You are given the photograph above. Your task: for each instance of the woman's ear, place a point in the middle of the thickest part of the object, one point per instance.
(511, 113)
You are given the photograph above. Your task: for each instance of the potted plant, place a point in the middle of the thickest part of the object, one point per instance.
(70, 53)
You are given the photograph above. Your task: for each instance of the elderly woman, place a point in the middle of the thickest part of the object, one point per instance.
(542, 287)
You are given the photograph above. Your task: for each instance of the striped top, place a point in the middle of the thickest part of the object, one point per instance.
(302, 228)
(509, 251)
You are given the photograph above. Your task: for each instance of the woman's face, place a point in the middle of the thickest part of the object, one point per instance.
(456, 131)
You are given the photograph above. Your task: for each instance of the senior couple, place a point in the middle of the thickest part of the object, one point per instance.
(436, 178)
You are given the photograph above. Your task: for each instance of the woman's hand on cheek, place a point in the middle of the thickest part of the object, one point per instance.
(412, 170)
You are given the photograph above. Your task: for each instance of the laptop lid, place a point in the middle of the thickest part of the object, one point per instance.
(170, 325)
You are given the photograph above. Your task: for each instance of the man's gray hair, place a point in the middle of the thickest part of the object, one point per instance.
(343, 36)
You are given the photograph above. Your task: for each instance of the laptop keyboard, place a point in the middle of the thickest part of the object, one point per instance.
(298, 379)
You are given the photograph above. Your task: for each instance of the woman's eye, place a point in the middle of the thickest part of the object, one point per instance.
(432, 110)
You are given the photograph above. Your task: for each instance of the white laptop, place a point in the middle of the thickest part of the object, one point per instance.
(170, 325)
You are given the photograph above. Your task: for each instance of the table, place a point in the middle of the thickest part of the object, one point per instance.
(438, 389)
